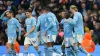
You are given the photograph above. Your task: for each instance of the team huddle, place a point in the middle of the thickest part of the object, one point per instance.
(47, 22)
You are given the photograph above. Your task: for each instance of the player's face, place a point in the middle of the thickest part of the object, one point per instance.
(19, 11)
(8, 14)
(27, 14)
(44, 11)
(63, 14)
(72, 10)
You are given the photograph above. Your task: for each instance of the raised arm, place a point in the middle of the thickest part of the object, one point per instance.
(2, 16)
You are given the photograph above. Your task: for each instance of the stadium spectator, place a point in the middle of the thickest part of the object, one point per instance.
(83, 9)
(2, 7)
(97, 31)
(94, 37)
(10, 6)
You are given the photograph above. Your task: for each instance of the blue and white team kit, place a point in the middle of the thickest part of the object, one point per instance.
(12, 26)
(52, 27)
(48, 22)
(68, 32)
(32, 37)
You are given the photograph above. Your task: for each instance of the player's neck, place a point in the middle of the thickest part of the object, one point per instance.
(43, 13)
(73, 11)
(11, 17)
(30, 16)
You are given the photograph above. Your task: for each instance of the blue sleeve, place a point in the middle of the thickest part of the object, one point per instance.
(74, 20)
(70, 21)
(19, 27)
(2, 16)
(62, 21)
(38, 23)
(51, 23)
(33, 22)
(57, 23)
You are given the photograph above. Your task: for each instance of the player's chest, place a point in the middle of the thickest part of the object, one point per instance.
(11, 22)
(65, 23)
(28, 22)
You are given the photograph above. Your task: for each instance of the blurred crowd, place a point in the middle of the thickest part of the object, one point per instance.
(90, 10)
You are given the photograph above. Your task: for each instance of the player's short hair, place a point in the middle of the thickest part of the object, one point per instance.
(29, 10)
(66, 13)
(11, 12)
(46, 8)
(74, 7)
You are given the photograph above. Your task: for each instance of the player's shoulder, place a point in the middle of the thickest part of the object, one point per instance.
(42, 15)
(33, 18)
(14, 19)
(77, 13)
(50, 14)
(63, 20)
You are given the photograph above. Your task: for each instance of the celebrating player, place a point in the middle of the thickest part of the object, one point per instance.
(31, 35)
(12, 26)
(78, 29)
(68, 30)
(42, 23)
(51, 32)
